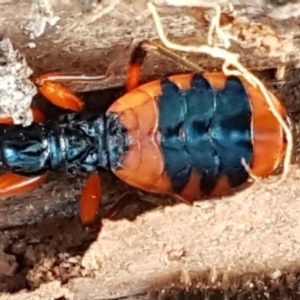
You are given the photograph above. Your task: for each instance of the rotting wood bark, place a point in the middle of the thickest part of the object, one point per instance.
(76, 43)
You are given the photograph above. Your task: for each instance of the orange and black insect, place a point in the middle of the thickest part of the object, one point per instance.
(184, 135)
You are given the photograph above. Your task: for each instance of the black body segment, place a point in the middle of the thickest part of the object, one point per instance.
(206, 130)
(82, 141)
(231, 129)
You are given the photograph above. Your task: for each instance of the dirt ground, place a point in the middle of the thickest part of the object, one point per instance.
(244, 245)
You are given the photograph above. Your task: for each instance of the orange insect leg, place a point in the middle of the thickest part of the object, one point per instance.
(37, 115)
(6, 120)
(134, 67)
(90, 199)
(56, 93)
(12, 184)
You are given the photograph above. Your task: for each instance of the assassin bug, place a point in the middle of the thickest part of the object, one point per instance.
(185, 135)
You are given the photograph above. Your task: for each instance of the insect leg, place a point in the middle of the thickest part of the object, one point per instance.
(37, 115)
(90, 199)
(60, 95)
(13, 184)
(134, 67)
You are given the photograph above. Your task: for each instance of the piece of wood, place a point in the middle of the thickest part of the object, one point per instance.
(80, 40)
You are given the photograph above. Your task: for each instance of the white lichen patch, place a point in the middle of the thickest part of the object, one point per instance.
(42, 14)
(16, 89)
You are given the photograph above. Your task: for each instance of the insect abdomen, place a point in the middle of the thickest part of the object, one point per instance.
(188, 135)
(205, 134)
